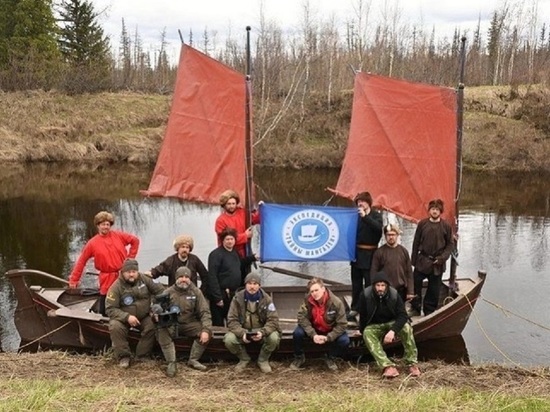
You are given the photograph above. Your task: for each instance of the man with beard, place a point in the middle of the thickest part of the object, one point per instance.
(252, 317)
(194, 321)
(109, 250)
(224, 275)
(395, 261)
(128, 302)
(432, 245)
(382, 317)
(369, 232)
(183, 245)
(233, 216)
(322, 318)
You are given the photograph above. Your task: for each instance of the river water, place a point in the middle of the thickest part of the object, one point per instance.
(46, 214)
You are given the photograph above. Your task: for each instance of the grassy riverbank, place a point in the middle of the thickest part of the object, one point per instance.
(504, 129)
(55, 381)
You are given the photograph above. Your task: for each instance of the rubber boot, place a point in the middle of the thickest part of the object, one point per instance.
(196, 352)
(169, 353)
(171, 369)
(244, 360)
(263, 361)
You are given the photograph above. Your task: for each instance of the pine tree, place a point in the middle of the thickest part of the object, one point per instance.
(29, 57)
(84, 46)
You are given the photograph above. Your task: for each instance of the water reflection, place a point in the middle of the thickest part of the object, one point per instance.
(46, 216)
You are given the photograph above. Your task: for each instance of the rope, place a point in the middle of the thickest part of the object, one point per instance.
(44, 336)
(496, 305)
(518, 365)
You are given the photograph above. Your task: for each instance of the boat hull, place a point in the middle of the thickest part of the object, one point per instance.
(59, 318)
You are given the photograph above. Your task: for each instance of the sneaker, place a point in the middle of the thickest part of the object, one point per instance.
(331, 364)
(414, 371)
(390, 372)
(124, 363)
(298, 362)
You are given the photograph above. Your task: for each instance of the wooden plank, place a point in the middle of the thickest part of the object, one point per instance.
(300, 275)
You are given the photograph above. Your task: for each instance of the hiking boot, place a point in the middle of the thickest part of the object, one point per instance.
(331, 364)
(171, 369)
(352, 316)
(124, 363)
(414, 371)
(298, 362)
(390, 372)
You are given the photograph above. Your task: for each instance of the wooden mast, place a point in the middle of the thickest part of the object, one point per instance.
(459, 124)
(249, 161)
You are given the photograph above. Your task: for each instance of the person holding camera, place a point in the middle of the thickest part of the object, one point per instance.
(127, 304)
(188, 315)
(252, 317)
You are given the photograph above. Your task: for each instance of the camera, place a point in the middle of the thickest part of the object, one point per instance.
(251, 333)
(164, 314)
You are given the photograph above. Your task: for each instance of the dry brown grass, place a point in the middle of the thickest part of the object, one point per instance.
(504, 129)
(56, 381)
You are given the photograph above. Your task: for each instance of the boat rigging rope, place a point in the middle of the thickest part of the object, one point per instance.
(496, 305)
(518, 365)
(44, 336)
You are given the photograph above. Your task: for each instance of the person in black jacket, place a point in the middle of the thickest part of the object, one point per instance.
(224, 275)
(382, 317)
(369, 232)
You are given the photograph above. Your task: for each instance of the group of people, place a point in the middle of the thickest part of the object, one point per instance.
(230, 295)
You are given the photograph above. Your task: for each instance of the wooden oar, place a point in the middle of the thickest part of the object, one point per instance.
(300, 275)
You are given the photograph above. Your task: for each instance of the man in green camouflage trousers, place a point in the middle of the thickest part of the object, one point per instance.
(382, 317)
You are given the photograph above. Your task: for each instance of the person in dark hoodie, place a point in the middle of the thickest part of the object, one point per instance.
(382, 317)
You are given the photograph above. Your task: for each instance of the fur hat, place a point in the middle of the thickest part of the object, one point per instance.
(365, 196)
(437, 203)
(104, 217)
(253, 277)
(183, 271)
(182, 240)
(128, 265)
(228, 194)
(392, 227)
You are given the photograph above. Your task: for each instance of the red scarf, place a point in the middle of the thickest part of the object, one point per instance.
(318, 310)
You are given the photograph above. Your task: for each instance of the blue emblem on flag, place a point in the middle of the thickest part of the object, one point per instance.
(307, 233)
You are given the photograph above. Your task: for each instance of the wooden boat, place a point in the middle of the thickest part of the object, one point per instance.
(389, 119)
(61, 318)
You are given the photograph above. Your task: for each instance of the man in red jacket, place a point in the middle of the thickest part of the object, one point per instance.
(234, 216)
(109, 250)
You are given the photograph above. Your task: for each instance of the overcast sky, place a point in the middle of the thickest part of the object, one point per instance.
(150, 17)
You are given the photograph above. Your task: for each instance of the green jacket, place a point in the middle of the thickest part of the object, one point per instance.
(335, 316)
(193, 306)
(124, 299)
(267, 314)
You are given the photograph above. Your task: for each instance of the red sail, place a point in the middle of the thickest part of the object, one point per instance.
(402, 146)
(203, 152)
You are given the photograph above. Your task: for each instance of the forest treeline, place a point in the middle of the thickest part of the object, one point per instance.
(60, 44)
